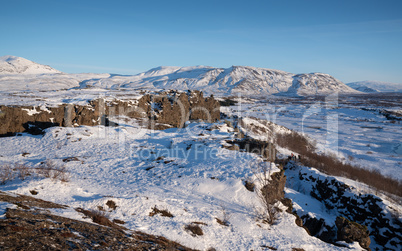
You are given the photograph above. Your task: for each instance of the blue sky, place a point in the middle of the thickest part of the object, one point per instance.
(352, 40)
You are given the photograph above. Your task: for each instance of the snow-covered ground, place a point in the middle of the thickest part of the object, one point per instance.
(186, 171)
(351, 127)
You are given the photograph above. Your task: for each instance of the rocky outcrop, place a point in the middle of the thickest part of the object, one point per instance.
(274, 190)
(29, 119)
(349, 232)
(363, 209)
(318, 228)
(175, 109)
(158, 111)
(265, 149)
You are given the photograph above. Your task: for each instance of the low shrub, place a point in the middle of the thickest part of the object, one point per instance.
(6, 174)
(45, 168)
(60, 173)
(23, 171)
(49, 169)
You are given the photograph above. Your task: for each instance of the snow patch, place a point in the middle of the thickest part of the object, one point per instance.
(32, 111)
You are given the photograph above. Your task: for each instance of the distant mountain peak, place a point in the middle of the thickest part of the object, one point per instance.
(317, 84)
(18, 65)
(370, 86)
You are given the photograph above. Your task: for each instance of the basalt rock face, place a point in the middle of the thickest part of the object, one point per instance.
(365, 209)
(274, 190)
(29, 119)
(169, 109)
(265, 149)
(361, 209)
(318, 228)
(351, 231)
(175, 109)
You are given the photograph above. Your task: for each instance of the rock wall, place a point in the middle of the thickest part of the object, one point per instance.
(263, 148)
(349, 232)
(175, 109)
(274, 190)
(158, 111)
(360, 209)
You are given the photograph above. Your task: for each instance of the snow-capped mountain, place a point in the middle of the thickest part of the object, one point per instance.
(243, 80)
(317, 83)
(375, 86)
(18, 65)
(230, 81)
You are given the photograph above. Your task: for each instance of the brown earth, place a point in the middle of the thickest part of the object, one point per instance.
(32, 227)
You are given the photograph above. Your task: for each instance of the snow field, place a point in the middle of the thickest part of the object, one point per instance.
(193, 188)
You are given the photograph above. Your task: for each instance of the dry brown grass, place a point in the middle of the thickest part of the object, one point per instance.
(332, 166)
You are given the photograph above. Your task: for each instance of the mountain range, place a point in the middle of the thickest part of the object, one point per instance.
(16, 74)
(375, 86)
